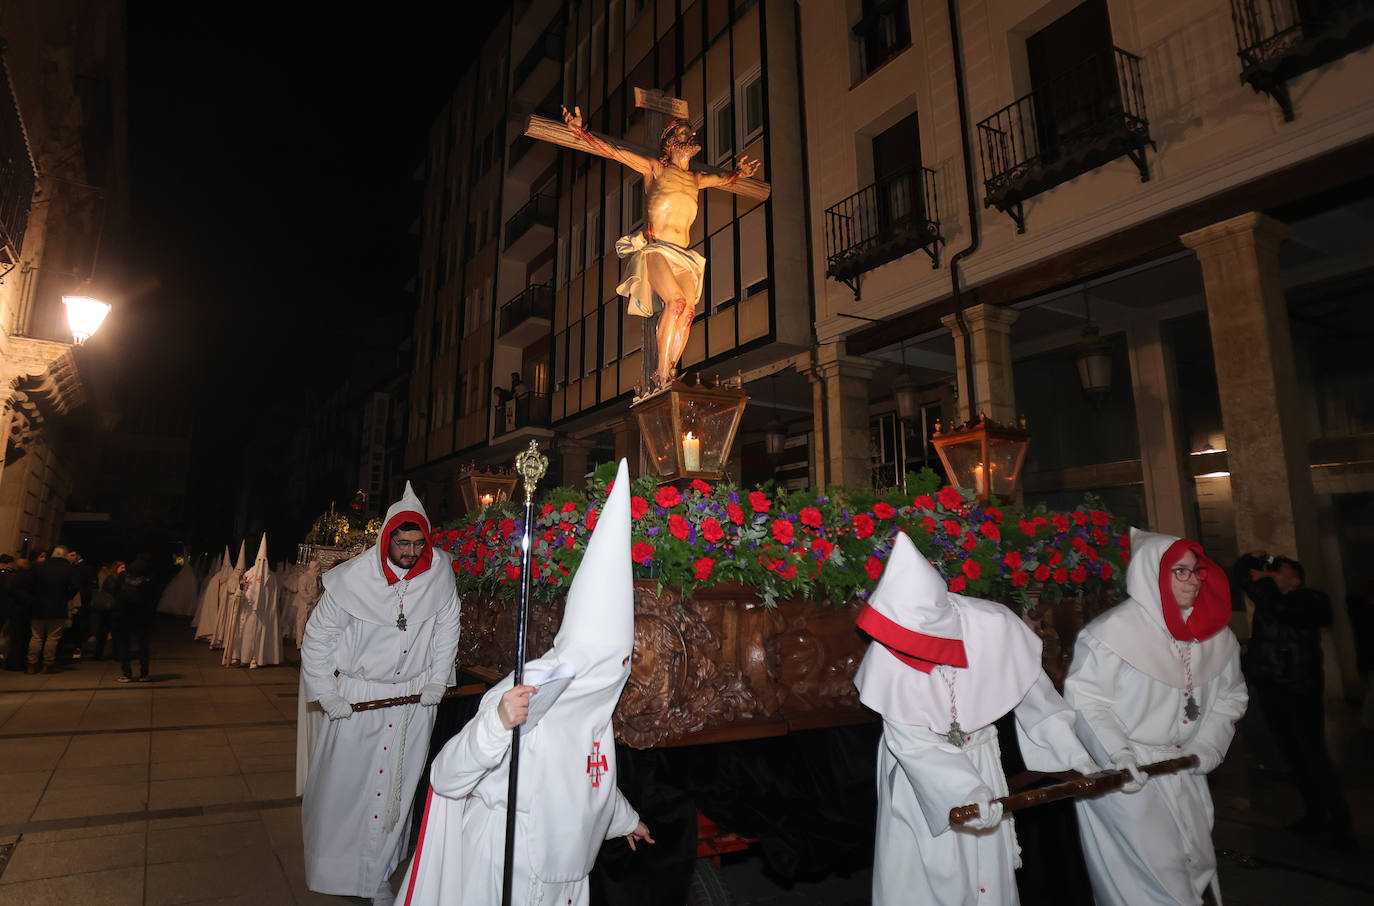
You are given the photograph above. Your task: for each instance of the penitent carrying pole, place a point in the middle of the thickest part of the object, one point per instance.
(530, 465)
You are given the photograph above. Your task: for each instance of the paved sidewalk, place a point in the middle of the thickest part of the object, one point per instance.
(176, 791)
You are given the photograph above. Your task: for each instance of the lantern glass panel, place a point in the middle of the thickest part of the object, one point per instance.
(709, 421)
(964, 461)
(1004, 464)
(660, 440)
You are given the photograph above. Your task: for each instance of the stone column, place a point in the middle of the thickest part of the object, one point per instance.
(628, 445)
(1266, 436)
(840, 389)
(990, 331)
(573, 452)
(1170, 492)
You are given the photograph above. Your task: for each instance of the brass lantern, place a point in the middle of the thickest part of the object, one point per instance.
(482, 486)
(688, 429)
(983, 456)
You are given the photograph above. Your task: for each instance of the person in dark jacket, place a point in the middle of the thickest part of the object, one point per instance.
(54, 585)
(16, 577)
(1284, 668)
(135, 602)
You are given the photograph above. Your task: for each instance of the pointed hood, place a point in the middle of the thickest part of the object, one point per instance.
(368, 587)
(407, 509)
(242, 564)
(261, 566)
(1144, 629)
(226, 563)
(572, 749)
(983, 649)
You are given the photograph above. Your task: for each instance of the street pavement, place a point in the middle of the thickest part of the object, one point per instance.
(182, 791)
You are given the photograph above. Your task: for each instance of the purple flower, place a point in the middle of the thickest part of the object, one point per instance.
(651, 530)
(734, 497)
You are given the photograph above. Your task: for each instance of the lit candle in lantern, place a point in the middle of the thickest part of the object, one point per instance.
(691, 452)
(486, 500)
(978, 478)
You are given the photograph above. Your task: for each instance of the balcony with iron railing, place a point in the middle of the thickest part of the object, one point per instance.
(17, 177)
(1278, 40)
(526, 316)
(1092, 114)
(529, 410)
(531, 228)
(893, 217)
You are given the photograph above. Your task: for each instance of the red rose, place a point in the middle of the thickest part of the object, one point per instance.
(1080, 517)
(1018, 578)
(928, 523)
(972, 569)
(1100, 518)
(1106, 571)
(1091, 554)
(534, 570)
(950, 498)
(990, 531)
(638, 507)
(701, 487)
(642, 552)
(863, 525)
(994, 514)
(953, 528)
(1079, 575)
(790, 573)
(591, 518)
(782, 531)
(548, 508)
(456, 565)
(1028, 526)
(507, 526)
(512, 572)
(958, 584)
(883, 510)
(810, 516)
(1056, 558)
(874, 567)
(610, 485)
(568, 507)
(822, 547)
(667, 496)
(1099, 537)
(569, 540)
(678, 526)
(924, 502)
(711, 530)
(735, 512)
(565, 526)
(969, 542)
(1042, 572)
(1041, 521)
(1013, 560)
(1079, 543)
(1061, 523)
(467, 548)
(703, 568)
(1060, 575)
(759, 501)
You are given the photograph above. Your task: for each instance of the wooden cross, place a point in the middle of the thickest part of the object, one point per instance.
(547, 130)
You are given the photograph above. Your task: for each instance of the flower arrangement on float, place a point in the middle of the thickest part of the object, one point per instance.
(827, 546)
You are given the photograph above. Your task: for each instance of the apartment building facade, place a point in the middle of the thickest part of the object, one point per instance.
(1176, 194)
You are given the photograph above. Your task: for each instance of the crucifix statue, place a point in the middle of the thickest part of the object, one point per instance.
(663, 276)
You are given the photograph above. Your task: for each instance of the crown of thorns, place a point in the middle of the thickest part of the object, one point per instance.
(672, 127)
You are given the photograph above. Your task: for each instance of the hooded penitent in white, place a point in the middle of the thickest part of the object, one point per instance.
(208, 614)
(259, 642)
(230, 600)
(1151, 683)
(364, 767)
(941, 669)
(567, 801)
(179, 597)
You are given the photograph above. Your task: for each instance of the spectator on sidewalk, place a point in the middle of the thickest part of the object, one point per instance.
(16, 577)
(102, 608)
(54, 585)
(135, 603)
(1284, 668)
(74, 640)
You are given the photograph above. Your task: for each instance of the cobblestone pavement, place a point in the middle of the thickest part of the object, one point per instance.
(182, 791)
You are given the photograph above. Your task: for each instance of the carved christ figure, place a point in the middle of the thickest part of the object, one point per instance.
(660, 263)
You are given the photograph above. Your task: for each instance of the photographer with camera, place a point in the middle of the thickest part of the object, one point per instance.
(1284, 668)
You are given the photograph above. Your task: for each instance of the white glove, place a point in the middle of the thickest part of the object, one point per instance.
(989, 812)
(336, 706)
(1125, 761)
(432, 693)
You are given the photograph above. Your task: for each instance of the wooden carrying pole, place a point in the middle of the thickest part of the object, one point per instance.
(451, 692)
(1092, 785)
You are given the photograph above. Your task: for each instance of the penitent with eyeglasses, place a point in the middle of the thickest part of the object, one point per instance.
(1184, 573)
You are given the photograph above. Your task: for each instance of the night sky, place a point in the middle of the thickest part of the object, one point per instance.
(272, 152)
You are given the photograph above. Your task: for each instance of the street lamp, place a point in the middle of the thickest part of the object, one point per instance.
(485, 485)
(983, 456)
(688, 429)
(84, 316)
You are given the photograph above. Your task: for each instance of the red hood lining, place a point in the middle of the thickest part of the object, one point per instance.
(384, 542)
(915, 649)
(1212, 609)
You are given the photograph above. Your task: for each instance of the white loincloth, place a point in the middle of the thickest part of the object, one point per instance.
(635, 286)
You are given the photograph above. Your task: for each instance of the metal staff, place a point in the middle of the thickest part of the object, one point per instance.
(531, 466)
(1091, 785)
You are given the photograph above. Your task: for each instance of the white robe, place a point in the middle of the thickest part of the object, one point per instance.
(918, 857)
(1153, 846)
(179, 597)
(208, 613)
(364, 768)
(259, 636)
(465, 820)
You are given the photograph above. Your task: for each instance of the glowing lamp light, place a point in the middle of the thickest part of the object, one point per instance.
(983, 456)
(84, 316)
(688, 429)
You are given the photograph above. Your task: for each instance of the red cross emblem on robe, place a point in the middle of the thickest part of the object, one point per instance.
(597, 764)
